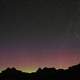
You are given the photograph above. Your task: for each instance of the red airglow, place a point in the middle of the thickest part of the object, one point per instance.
(59, 58)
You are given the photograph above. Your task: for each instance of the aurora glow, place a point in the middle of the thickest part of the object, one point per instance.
(36, 33)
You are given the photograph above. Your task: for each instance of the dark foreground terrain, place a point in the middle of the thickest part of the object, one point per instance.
(73, 73)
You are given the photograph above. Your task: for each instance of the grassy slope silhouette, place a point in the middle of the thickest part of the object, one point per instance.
(72, 73)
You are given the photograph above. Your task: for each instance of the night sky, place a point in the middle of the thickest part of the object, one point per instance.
(39, 33)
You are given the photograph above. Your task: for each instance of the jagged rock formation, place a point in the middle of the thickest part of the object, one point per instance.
(73, 73)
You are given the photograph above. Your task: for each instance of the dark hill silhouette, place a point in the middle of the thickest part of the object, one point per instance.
(72, 73)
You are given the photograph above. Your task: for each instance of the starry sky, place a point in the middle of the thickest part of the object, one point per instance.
(39, 33)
